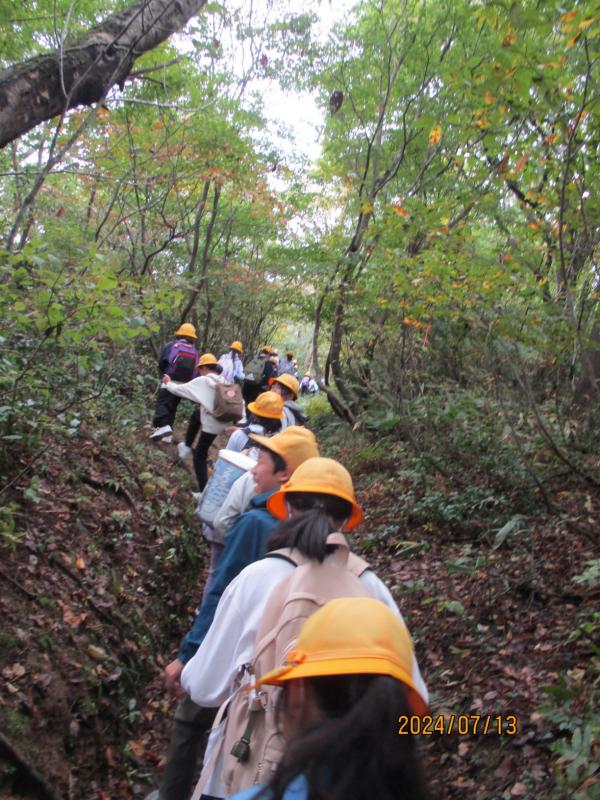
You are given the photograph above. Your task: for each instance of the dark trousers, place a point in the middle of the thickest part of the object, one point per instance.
(201, 458)
(187, 744)
(165, 409)
(193, 427)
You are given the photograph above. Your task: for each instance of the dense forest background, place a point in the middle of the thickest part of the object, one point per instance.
(436, 266)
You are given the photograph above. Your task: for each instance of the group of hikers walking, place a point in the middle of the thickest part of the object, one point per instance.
(298, 663)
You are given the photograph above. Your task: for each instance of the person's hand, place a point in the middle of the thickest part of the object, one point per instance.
(166, 379)
(172, 675)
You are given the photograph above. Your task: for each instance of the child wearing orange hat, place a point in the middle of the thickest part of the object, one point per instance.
(349, 678)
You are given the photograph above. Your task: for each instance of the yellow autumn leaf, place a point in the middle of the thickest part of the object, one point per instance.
(80, 564)
(572, 42)
(435, 134)
(585, 23)
(568, 16)
(488, 98)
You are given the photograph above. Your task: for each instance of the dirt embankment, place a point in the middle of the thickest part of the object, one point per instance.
(100, 565)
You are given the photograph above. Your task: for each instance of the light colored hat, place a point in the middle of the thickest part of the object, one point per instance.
(187, 329)
(295, 444)
(236, 346)
(267, 404)
(322, 476)
(353, 636)
(288, 381)
(207, 360)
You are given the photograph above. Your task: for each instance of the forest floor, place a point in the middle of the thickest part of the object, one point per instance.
(100, 563)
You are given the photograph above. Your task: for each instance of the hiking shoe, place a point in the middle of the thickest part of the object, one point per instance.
(158, 433)
(183, 451)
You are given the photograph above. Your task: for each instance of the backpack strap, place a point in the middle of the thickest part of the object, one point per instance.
(241, 749)
(357, 565)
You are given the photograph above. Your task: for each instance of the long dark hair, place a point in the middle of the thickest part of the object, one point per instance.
(321, 515)
(354, 752)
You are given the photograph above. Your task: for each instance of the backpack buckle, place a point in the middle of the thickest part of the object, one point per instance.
(241, 750)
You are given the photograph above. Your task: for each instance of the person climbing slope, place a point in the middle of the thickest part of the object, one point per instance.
(286, 365)
(201, 390)
(177, 360)
(231, 362)
(288, 387)
(265, 416)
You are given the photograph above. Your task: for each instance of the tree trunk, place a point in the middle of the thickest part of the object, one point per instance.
(83, 72)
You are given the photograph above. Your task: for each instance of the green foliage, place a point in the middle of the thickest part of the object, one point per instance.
(591, 575)
(9, 536)
(573, 711)
(456, 507)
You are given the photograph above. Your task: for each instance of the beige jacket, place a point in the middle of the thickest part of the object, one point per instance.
(201, 391)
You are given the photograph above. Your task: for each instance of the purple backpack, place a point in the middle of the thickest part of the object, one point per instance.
(183, 358)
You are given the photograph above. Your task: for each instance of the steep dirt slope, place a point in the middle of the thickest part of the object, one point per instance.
(100, 563)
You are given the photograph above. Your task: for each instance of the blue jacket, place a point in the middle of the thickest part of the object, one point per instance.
(245, 542)
(296, 790)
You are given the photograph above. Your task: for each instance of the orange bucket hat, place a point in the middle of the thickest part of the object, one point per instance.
(354, 636)
(322, 476)
(295, 444)
(288, 381)
(267, 404)
(236, 346)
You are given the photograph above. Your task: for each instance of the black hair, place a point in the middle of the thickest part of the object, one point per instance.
(270, 425)
(287, 394)
(188, 339)
(354, 752)
(216, 368)
(322, 514)
(278, 462)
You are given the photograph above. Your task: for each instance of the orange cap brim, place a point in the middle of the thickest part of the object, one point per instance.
(367, 665)
(277, 504)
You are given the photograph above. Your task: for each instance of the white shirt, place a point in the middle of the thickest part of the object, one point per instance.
(209, 677)
(232, 367)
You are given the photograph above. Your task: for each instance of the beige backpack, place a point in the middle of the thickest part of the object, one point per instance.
(250, 744)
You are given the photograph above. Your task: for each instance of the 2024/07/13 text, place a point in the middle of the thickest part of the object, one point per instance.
(463, 724)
